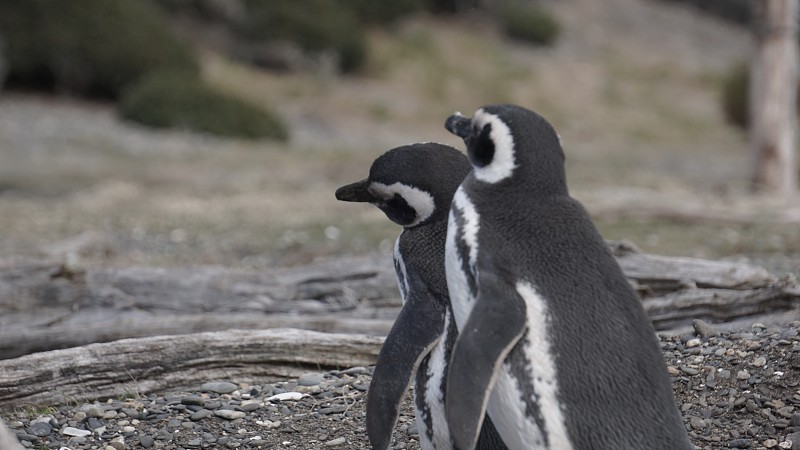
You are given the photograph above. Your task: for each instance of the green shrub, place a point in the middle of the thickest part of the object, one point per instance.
(178, 100)
(735, 91)
(94, 47)
(381, 12)
(315, 25)
(736, 95)
(529, 23)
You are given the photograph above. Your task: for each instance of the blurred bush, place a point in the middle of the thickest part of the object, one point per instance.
(735, 91)
(371, 11)
(314, 25)
(528, 22)
(736, 95)
(88, 47)
(177, 100)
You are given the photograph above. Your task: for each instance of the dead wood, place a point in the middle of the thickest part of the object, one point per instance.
(47, 306)
(130, 367)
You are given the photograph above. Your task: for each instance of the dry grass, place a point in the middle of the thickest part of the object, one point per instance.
(632, 88)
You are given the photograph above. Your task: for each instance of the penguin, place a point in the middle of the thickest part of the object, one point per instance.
(414, 186)
(553, 341)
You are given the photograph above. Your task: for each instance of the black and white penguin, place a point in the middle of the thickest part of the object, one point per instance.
(553, 341)
(414, 186)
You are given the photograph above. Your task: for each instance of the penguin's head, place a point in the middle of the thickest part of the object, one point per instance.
(506, 140)
(412, 184)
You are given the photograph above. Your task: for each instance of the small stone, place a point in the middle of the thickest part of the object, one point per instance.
(229, 414)
(760, 362)
(220, 387)
(94, 423)
(739, 443)
(796, 420)
(174, 423)
(194, 443)
(693, 343)
(70, 431)
(697, 423)
(77, 441)
(769, 443)
(146, 441)
(310, 379)
(285, 396)
(15, 424)
(192, 400)
(250, 406)
(335, 442)
(128, 429)
(703, 328)
(117, 444)
(93, 411)
(199, 415)
(40, 429)
(689, 370)
(743, 374)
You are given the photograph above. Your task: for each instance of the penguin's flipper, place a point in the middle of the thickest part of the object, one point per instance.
(418, 328)
(495, 325)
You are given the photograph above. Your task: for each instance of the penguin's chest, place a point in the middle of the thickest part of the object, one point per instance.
(524, 403)
(461, 252)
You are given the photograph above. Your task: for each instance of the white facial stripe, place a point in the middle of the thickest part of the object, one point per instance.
(539, 352)
(503, 162)
(421, 201)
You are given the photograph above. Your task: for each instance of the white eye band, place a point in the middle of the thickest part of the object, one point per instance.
(503, 162)
(421, 201)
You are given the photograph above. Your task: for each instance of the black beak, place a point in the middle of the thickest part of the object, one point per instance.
(355, 192)
(459, 125)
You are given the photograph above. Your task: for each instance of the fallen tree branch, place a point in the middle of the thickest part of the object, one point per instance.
(141, 366)
(48, 306)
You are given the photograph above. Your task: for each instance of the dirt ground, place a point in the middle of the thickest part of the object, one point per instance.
(632, 86)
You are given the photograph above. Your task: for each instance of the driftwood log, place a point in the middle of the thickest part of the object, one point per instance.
(48, 306)
(139, 366)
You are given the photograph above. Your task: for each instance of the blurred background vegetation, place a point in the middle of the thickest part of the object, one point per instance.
(215, 131)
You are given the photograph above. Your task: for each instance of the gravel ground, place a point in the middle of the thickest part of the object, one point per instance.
(735, 390)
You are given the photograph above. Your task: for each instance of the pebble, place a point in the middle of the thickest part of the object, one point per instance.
(727, 398)
(220, 387)
(703, 328)
(40, 429)
(285, 396)
(229, 414)
(70, 431)
(310, 379)
(335, 442)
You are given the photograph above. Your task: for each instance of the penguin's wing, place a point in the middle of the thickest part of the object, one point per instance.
(418, 327)
(495, 324)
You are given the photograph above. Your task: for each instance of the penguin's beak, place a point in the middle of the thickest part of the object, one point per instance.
(355, 192)
(459, 125)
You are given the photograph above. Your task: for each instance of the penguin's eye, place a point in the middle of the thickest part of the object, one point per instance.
(481, 150)
(398, 210)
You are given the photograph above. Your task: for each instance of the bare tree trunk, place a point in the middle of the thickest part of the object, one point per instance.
(773, 94)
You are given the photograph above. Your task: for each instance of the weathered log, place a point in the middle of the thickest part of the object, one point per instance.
(46, 306)
(140, 366)
(662, 274)
(722, 305)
